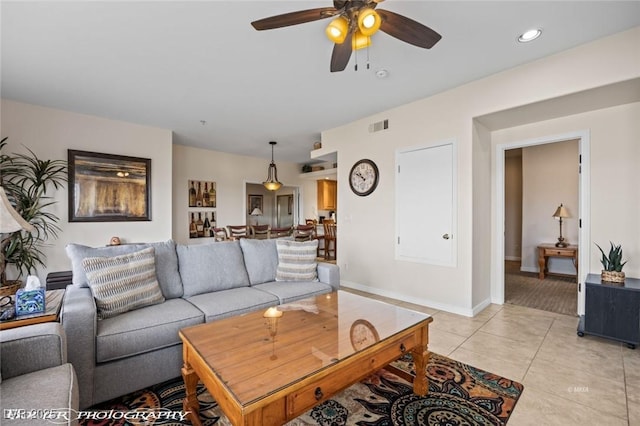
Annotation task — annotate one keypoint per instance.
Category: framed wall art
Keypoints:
(202, 194)
(254, 202)
(108, 187)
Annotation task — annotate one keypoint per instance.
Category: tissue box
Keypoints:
(30, 301)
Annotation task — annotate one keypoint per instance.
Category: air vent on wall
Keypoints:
(378, 126)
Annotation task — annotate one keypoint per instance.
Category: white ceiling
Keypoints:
(173, 64)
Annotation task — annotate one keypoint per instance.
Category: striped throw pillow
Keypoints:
(297, 260)
(123, 283)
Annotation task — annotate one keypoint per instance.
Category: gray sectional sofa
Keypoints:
(200, 283)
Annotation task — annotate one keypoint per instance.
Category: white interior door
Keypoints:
(425, 205)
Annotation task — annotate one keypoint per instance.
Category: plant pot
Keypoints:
(612, 276)
(9, 288)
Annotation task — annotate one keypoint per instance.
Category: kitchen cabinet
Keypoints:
(327, 194)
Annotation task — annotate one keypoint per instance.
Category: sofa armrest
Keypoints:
(32, 348)
(329, 273)
(79, 319)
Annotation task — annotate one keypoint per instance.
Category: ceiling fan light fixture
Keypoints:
(337, 30)
(369, 21)
(272, 183)
(360, 41)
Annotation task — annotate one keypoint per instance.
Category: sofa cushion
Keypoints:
(123, 283)
(144, 330)
(167, 268)
(211, 267)
(289, 291)
(166, 263)
(260, 259)
(226, 303)
(51, 388)
(297, 260)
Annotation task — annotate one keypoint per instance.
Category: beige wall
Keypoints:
(369, 263)
(549, 177)
(51, 132)
(231, 174)
(513, 206)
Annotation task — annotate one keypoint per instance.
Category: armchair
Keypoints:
(36, 376)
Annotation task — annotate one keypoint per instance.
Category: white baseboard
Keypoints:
(418, 300)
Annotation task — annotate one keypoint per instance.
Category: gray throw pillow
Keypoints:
(297, 260)
(123, 283)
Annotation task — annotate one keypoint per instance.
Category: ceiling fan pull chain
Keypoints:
(367, 57)
(356, 54)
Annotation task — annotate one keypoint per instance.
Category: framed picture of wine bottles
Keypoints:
(201, 223)
(202, 194)
(202, 220)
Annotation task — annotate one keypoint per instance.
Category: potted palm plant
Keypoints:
(25, 179)
(612, 264)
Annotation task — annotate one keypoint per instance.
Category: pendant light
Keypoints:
(272, 183)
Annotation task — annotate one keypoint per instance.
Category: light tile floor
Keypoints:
(568, 380)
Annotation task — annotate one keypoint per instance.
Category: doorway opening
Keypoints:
(537, 180)
(276, 208)
(547, 231)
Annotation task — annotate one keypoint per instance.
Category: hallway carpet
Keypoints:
(554, 293)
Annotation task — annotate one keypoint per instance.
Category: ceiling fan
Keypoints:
(354, 23)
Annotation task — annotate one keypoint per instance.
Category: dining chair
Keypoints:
(238, 231)
(304, 233)
(330, 239)
(285, 231)
(220, 234)
(260, 232)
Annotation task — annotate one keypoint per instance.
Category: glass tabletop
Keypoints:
(258, 353)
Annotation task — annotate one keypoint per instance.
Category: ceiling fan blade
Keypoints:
(341, 54)
(294, 18)
(408, 30)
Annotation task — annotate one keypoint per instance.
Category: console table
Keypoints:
(545, 251)
(612, 310)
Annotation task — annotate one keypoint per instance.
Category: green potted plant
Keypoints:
(25, 179)
(612, 264)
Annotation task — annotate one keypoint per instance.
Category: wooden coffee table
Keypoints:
(266, 369)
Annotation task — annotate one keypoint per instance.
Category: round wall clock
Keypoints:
(363, 334)
(363, 177)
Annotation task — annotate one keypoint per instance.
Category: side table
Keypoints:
(53, 303)
(545, 251)
(612, 310)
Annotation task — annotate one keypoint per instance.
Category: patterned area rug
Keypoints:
(458, 395)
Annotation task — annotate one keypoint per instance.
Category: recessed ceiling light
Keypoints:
(529, 35)
(382, 73)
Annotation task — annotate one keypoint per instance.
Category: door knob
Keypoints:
(445, 236)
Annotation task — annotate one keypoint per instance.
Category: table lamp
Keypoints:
(256, 212)
(560, 213)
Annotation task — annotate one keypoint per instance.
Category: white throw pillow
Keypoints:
(297, 260)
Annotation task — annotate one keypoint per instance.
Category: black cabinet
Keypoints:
(612, 310)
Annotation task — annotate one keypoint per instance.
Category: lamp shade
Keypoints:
(337, 30)
(360, 41)
(272, 183)
(561, 212)
(256, 212)
(10, 219)
(368, 22)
